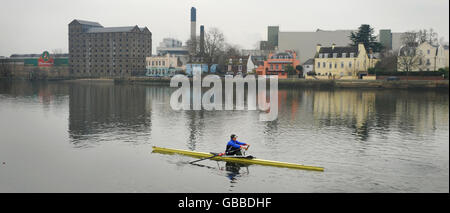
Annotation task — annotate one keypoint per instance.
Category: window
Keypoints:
(335, 65)
(320, 55)
(276, 66)
(344, 55)
(342, 64)
(428, 52)
(334, 55)
(318, 64)
(350, 64)
(331, 65)
(324, 65)
(326, 55)
(352, 55)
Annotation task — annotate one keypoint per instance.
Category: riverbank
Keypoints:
(303, 83)
(288, 83)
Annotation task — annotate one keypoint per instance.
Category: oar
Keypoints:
(205, 158)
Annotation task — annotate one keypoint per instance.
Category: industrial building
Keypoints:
(96, 51)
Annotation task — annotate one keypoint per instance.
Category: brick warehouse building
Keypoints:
(97, 51)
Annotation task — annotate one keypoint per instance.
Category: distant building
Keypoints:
(339, 62)
(266, 46)
(163, 66)
(97, 51)
(391, 41)
(308, 66)
(303, 43)
(202, 67)
(276, 64)
(272, 39)
(446, 55)
(252, 64)
(45, 59)
(272, 35)
(430, 57)
(174, 48)
(237, 65)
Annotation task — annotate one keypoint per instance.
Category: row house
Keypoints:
(343, 61)
(277, 63)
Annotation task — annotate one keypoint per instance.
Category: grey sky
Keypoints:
(34, 26)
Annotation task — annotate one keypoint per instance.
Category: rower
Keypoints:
(234, 147)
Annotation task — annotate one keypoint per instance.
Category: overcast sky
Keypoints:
(34, 26)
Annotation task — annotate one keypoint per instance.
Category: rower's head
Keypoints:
(233, 137)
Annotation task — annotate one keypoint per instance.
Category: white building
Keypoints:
(308, 66)
(251, 65)
(430, 57)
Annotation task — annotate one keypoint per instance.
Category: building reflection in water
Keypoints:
(104, 112)
(107, 112)
(361, 110)
(348, 107)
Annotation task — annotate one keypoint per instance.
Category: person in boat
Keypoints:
(234, 147)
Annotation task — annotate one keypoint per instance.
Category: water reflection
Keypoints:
(196, 126)
(363, 111)
(107, 112)
(375, 140)
(233, 170)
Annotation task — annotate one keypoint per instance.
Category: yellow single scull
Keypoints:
(236, 160)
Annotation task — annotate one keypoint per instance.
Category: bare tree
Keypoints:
(214, 45)
(410, 38)
(421, 36)
(409, 59)
(388, 61)
(232, 50)
(429, 36)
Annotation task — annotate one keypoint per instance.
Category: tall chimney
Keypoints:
(202, 39)
(318, 46)
(193, 29)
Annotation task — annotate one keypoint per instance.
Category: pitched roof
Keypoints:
(309, 61)
(339, 51)
(90, 23)
(111, 29)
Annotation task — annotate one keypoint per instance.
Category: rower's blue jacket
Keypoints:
(235, 144)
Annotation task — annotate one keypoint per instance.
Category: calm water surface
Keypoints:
(97, 137)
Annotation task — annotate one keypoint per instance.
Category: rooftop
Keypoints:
(90, 23)
(309, 61)
(112, 29)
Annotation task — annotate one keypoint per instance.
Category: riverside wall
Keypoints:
(302, 83)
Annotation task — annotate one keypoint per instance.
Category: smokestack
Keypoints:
(193, 28)
(202, 39)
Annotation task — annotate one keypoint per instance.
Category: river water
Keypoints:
(98, 137)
